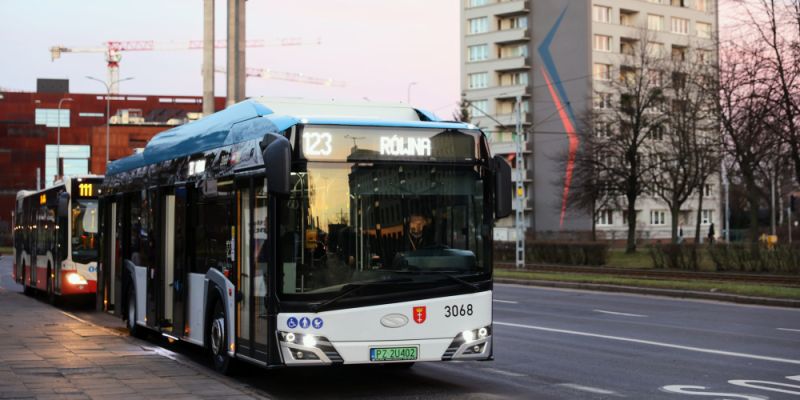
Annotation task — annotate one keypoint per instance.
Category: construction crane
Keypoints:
(299, 77)
(113, 50)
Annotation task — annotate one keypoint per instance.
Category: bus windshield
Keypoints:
(357, 223)
(85, 241)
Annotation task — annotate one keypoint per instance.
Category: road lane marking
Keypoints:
(506, 373)
(788, 330)
(621, 313)
(589, 389)
(505, 301)
(653, 343)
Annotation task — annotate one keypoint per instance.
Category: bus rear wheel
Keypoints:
(218, 339)
(25, 279)
(51, 290)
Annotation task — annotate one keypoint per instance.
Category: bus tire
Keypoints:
(218, 339)
(25, 277)
(133, 329)
(51, 290)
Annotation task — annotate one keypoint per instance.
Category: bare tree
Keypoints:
(684, 153)
(745, 114)
(591, 191)
(627, 105)
(777, 25)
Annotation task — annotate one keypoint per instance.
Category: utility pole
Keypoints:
(208, 57)
(772, 200)
(236, 52)
(59, 173)
(520, 190)
(108, 109)
(725, 186)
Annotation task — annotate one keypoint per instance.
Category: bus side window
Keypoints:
(140, 229)
(214, 222)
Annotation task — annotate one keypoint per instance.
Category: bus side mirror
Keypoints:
(502, 187)
(278, 162)
(63, 205)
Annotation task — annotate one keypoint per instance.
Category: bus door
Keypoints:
(168, 263)
(253, 210)
(176, 285)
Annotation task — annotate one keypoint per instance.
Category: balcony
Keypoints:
(504, 8)
(509, 36)
(511, 64)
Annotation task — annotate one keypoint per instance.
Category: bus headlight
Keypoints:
(75, 278)
(299, 348)
(468, 336)
(470, 344)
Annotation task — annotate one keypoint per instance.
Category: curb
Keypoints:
(687, 294)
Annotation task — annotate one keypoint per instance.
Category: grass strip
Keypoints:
(6, 250)
(738, 288)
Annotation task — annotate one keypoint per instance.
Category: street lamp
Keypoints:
(108, 87)
(58, 143)
(408, 92)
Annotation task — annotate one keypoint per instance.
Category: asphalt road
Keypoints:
(569, 344)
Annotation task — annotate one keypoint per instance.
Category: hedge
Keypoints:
(743, 257)
(555, 252)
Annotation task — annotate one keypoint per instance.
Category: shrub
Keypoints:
(554, 252)
(745, 257)
(675, 256)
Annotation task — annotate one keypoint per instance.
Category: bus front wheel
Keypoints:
(133, 329)
(218, 337)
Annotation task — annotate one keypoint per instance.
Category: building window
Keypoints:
(627, 18)
(75, 160)
(478, 3)
(706, 217)
(479, 80)
(514, 79)
(601, 14)
(602, 72)
(707, 189)
(478, 108)
(658, 217)
(602, 129)
(50, 117)
(655, 22)
(520, 50)
(605, 217)
(680, 26)
(602, 43)
(704, 30)
(703, 56)
(478, 52)
(478, 25)
(701, 5)
(655, 50)
(602, 100)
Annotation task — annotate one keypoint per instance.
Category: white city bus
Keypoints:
(56, 238)
(285, 233)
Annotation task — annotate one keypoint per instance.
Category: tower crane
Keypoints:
(299, 77)
(113, 50)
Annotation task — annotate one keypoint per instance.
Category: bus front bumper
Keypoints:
(299, 349)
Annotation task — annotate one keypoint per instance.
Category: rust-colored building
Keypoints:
(29, 127)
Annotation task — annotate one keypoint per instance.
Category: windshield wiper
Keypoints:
(447, 275)
(355, 287)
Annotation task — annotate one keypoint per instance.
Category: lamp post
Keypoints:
(408, 92)
(58, 135)
(108, 87)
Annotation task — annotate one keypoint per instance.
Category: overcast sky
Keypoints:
(376, 46)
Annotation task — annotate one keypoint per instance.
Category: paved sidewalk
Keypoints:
(47, 354)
